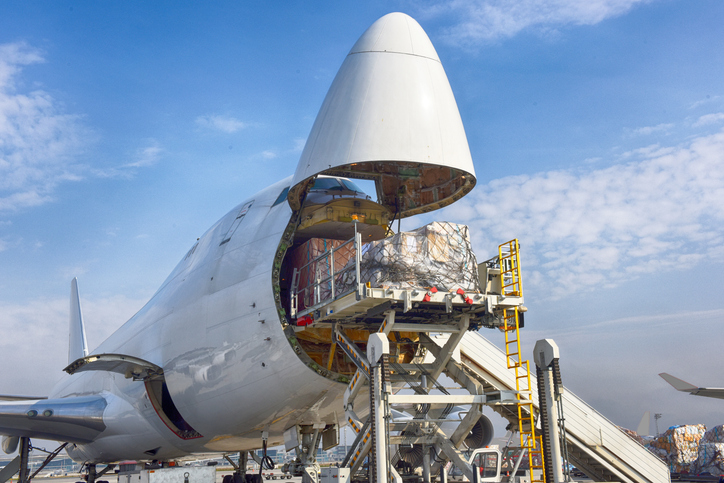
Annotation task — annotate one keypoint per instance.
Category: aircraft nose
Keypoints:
(398, 33)
(390, 115)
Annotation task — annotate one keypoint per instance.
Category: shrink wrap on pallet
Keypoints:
(711, 453)
(710, 460)
(714, 435)
(633, 435)
(679, 446)
(436, 255)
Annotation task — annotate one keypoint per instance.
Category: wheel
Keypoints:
(228, 479)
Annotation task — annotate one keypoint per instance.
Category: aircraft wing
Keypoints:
(8, 397)
(679, 385)
(72, 419)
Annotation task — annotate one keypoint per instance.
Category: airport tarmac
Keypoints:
(220, 475)
(112, 478)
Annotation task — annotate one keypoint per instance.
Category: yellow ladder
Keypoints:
(512, 285)
(509, 260)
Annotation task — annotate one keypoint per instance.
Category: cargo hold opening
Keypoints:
(333, 209)
(325, 263)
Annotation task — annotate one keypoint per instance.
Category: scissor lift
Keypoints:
(414, 388)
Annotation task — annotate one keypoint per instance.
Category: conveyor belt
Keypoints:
(596, 446)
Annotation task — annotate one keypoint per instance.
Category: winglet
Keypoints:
(78, 347)
(678, 384)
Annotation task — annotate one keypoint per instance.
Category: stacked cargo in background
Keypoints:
(436, 255)
(679, 446)
(711, 453)
(633, 435)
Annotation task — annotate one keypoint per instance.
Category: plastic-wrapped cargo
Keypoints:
(710, 460)
(633, 435)
(714, 435)
(436, 255)
(679, 446)
(711, 453)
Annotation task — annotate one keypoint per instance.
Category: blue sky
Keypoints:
(597, 131)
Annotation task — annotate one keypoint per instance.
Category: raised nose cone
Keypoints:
(396, 33)
(391, 116)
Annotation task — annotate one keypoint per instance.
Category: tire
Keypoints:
(228, 479)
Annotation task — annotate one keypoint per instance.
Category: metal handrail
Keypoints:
(325, 277)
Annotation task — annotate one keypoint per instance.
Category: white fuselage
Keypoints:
(215, 330)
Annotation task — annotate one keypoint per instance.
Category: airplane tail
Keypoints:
(76, 419)
(644, 427)
(78, 346)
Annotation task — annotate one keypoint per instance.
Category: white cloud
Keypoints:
(225, 124)
(647, 130)
(662, 211)
(481, 21)
(703, 102)
(37, 141)
(147, 155)
(35, 337)
(12, 57)
(709, 119)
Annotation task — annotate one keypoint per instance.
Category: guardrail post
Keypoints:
(358, 261)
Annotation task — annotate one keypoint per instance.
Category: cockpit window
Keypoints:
(351, 186)
(282, 196)
(327, 184)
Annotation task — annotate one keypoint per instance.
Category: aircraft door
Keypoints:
(162, 402)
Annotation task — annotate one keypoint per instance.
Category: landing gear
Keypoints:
(93, 474)
(305, 464)
(24, 455)
(20, 463)
(240, 475)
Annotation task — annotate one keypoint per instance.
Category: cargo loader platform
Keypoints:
(369, 316)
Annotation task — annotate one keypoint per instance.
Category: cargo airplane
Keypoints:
(227, 355)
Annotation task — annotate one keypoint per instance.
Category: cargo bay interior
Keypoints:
(320, 262)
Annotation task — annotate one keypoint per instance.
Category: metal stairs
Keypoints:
(595, 445)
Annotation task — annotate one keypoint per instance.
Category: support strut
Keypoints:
(24, 475)
(51, 456)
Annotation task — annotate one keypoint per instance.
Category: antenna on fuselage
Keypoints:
(78, 346)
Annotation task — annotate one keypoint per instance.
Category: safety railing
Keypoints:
(331, 275)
